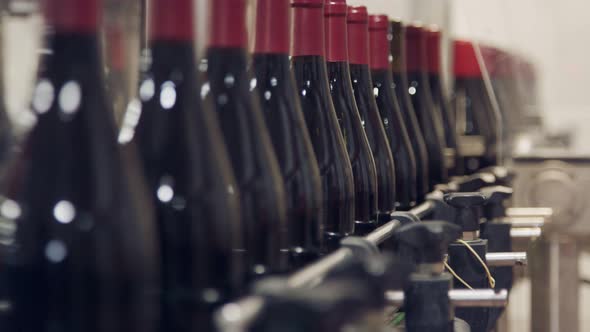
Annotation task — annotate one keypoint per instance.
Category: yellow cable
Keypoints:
(457, 276)
(491, 279)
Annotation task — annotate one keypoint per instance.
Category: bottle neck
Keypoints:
(74, 47)
(312, 69)
(267, 65)
(225, 60)
(272, 27)
(228, 24)
(435, 81)
(339, 77)
(308, 35)
(336, 38)
(383, 76)
(171, 20)
(172, 54)
(361, 74)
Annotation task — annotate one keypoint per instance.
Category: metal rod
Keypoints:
(525, 233)
(461, 298)
(529, 212)
(506, 258)
(423, 210)
(488, 298)
(382, 233)
(524, 222)
(314, 273)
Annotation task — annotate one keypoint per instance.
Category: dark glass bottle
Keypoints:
(383, 90)
(362, 85)
(428, 116)
(312, 83)
(188, 174)
(251, 153)
(80, 256)
(441, 102)
(472, 107)
(284, 118)
(400, 80)
(357, 144)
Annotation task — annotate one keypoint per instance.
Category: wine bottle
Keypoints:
(80, 255)
(419, 91)
(284, 118)
(400, 80)
(472, 107)
(308, 59)
(253, 160)
(357, 144)
(188, 173)
(441, 102)
(362, 85)
(383, 90)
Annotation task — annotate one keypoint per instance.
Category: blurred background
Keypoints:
(550, 35)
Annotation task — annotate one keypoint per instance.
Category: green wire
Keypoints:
(398, 318)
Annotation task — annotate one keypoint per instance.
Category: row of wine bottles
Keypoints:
(224, 171)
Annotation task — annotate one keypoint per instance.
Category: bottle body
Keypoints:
(192, 187)
(326, 137)
(292, 144)
(80, 259)
(415, 134)
(399, 141)
(452, 153)
(431, 126)
(254, 163)
(363, 92)
(471, 107)
(357, 145)
(400, 79)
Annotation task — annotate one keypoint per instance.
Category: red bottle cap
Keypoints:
(171, 20)
(228, 24)
(272, 27)
(73, 15)
(335, 28)
(433, 49)
(358, 35)
(465, 62)
(415, 38)
(378, 42)
(308, 27)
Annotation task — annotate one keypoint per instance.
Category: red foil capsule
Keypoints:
(308, 37)
(378, 42)
(272, 13)
(171, 20)
(415, 38)
(335, 25)
(73, 15)
(465, 62)
(231, 32)
(358, 45)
